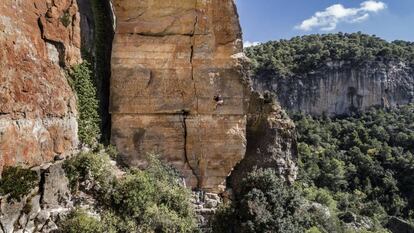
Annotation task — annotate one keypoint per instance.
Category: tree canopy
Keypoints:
(361, 165)
(303, 54)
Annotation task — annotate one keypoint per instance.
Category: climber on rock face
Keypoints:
(219, 100)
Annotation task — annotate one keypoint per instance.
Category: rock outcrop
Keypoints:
(396, 225)
(178, 87)
(341, 88)
(40, 210)
(271, 141)
(38, 39)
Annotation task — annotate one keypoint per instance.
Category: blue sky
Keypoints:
(264, 20)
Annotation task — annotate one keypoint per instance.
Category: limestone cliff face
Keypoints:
(37, 107)
(178, 88)
(341, 88)
(271, 141)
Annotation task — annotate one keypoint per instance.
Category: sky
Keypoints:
(264, 20)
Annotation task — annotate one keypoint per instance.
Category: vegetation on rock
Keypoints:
(79, 221)
(103, 36)
(66, 19)
(16, 182)
(153, 200)
(304, 54)
(264, 204)
(360, 167)
(82, 82)
(355, 174)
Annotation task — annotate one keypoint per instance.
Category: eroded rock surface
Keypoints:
(37, 107)
(178, 87)
(271, 141)
(41, 210)
(341, 88)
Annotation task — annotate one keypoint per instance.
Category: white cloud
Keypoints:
(247, 44)
(328, 19)
(373, 6)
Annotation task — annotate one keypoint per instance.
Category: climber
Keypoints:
(219, 100)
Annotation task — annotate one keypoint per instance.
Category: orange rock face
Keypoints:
(177, 86)
(38, 39)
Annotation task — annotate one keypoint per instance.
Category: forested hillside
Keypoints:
(360, 167)
(303, 54)
(356, 175)
(335, 74)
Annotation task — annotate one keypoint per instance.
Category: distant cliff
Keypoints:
(340, 88)
(335, 74)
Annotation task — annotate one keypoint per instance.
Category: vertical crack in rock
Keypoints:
(192, 38)
(182, 44)
(187, 160)
(42, 184)
(2, 227)
(185, 114)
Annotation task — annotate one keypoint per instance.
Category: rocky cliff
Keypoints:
(38, 40)
(178, 87)
(341, 88)
(40, 210)
(271, 141)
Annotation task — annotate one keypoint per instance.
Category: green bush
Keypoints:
(321, 196)
(313, 230)
(78, 221)
(151, 200)
(90, 166)
(65, 19)
(223, 219)
(155, 199)
(265, 204)
(17, 182)
(82, 82)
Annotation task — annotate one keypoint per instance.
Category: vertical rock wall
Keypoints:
(271, 141)
(38, 39)
(177, 86)
(338, 88)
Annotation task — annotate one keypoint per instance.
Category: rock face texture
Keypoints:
(271, 141)
(177, 87)
(43, 207)
(37, 107)
(341, 88)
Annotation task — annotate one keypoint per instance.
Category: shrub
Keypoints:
(155, 199)
(17, 182)
(321, 196)
(115, 223)
(65, 19)
(79, 221)
(103, 36)
(92, 167)
(82, 82)
(220, 222)
(151, 200)
(264, 204)
(313, 230)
